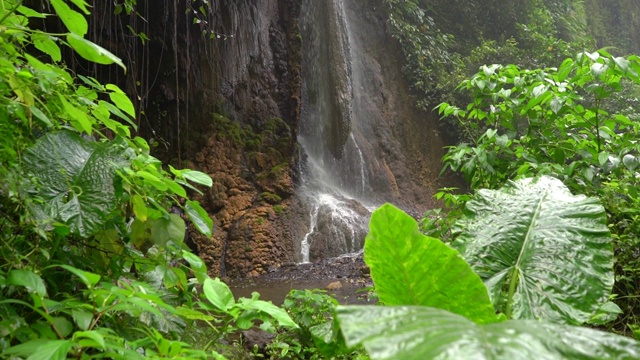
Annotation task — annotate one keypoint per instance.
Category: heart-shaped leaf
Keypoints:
(218, 293)
(76, 178)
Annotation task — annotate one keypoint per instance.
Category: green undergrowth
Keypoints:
(576, 122)
(93, 262)
(92, 256)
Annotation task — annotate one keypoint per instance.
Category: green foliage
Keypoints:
(75, 179)
(427, 332)
(428, 58)
(399, 257)
(92, 260)
(318, 336)
(527, 122)
(439, 222)
(414, 332)
(445, 41)
(117, 319)
(309, 309)
(576, 123)
(99, 319)
(519, 238)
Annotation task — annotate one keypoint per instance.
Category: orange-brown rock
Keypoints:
(248, 238)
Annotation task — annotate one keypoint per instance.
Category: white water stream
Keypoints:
(335, 177)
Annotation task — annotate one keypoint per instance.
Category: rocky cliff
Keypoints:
(245, 110)
(218, 86)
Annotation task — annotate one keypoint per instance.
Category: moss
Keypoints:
(270, 197)
(277, 125)
(239, 134)
(278, 209)
(252, 145)
(274, 154)
(279, 168)
(227, 128)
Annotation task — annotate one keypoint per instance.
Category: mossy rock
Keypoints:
(270, 198)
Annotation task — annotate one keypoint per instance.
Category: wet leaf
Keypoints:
(76, 178)
(419, 332)
(93, 52)
(27, 279)
(197, 177)
(200, 217)
(88, 278)
(218, 293)
(73, 20)
(409, 268)
(551, 250)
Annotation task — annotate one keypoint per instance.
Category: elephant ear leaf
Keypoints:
(542, 252)
(75, 178)
(420, 332)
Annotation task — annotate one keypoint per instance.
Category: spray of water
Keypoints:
(335, 177)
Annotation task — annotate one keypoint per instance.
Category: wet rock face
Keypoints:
(247, 234)
(338, 230)
(249, 111)
(252, 79)
(360, 132)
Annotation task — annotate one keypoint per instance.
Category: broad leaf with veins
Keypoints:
(75, 178)
(542, 252)
(409, 268)
(420, 332)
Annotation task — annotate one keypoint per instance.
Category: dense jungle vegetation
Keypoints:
(539, 259)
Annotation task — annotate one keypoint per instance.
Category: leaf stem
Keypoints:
(11, 11)
(597, 128)
(512, 289)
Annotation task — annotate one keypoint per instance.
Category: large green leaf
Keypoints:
(30, 280)
(200, 217)
(542, 252)
(167, 228)
(420, 333)
(267, 307)
(73, 20)
(75, 178)
(41, 349)
(93, 52)
(52, 350)
(218, 293)
(409, 268)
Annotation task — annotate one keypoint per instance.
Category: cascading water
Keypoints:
(362, 140)
(336, 177)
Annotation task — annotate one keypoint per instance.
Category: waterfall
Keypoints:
(362, 164)
(362, 140)
(335, 177)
